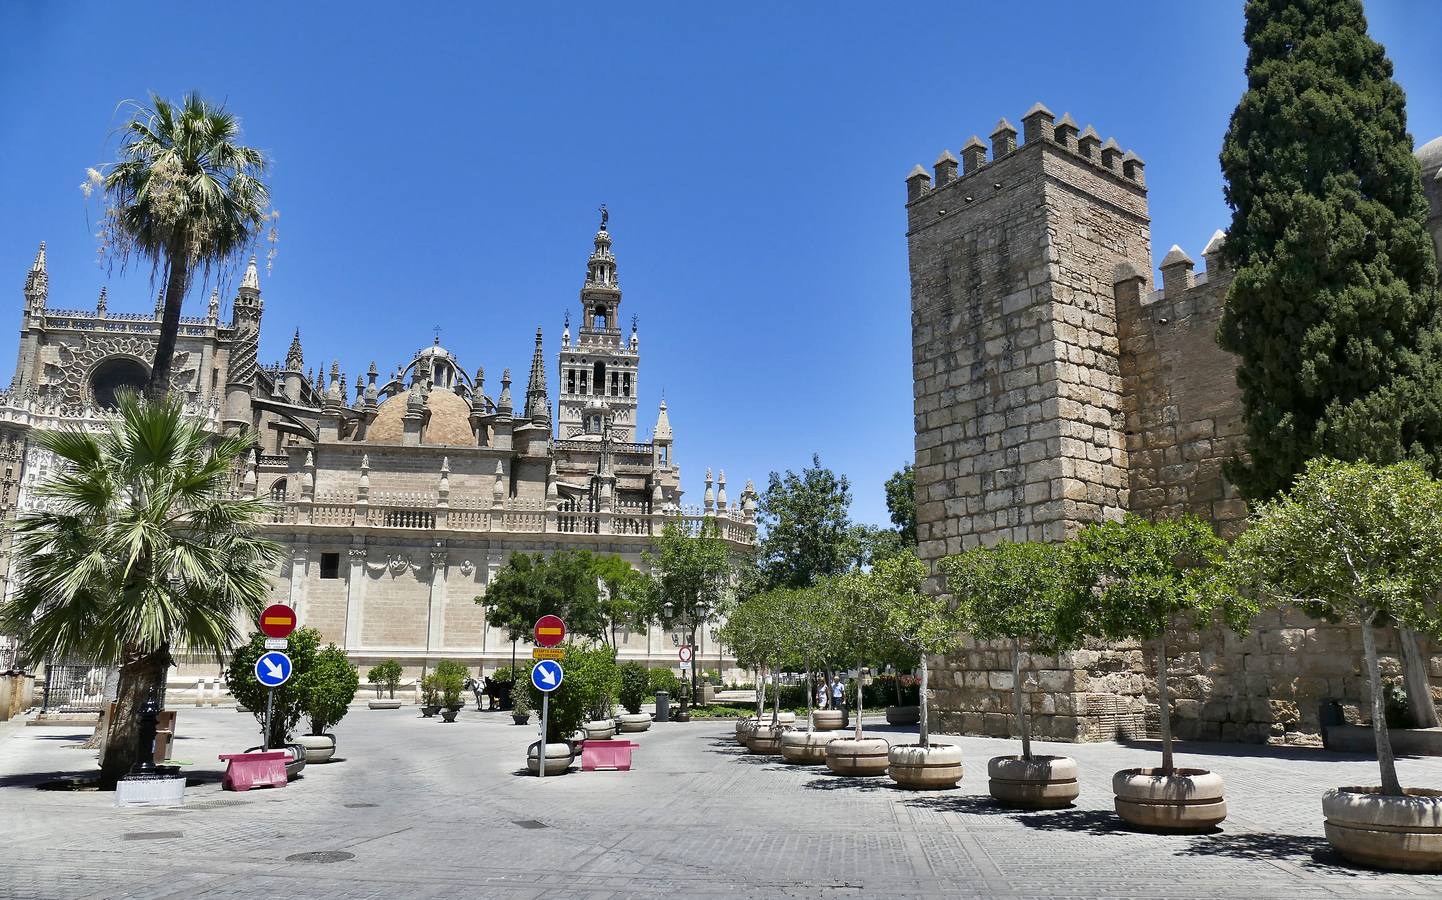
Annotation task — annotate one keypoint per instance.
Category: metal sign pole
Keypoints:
(541, 748)
(269, 700)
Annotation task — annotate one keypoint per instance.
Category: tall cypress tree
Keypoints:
(1334, 311)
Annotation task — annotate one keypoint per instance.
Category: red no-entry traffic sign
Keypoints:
(549, 631)
(277, 621)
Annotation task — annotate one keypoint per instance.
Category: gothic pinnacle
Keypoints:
(251, 279)
(294, 358)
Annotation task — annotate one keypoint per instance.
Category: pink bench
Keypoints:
(606, 755)
(247, 770)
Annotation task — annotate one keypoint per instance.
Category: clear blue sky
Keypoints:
(443, 167)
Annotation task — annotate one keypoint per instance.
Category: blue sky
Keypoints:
(444, 167)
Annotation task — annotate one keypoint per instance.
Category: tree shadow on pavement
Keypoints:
(852, 783)
(960, 803)
(1311, 852)
(1087, 821)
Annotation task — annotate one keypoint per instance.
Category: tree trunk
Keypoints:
(810, 696)
(776, 706)
(1385, 761)
(921, 701)
(140, 676)
(96, 741)
(760, 691)
(1164, 700)
(178, 272)
(1419, 686)
(860, 689)
(1016, 704)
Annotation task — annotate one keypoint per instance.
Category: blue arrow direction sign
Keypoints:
(546, 675)
(272, 669)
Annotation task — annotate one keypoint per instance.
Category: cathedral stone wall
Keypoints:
(1054, 388)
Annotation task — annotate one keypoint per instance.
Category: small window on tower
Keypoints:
(615, 383)
(330, 565)
(599, 320)
(626, 384)
(600, 382)
(583, 381)
(570, 381)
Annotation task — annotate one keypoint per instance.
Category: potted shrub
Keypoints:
(286, 709)
(326, 690)
(451, 684)
(1012, 592)
(1135, 579)
(861, 627)
(520, 702)
(591, 675)
(1359, 543)
(756, 630)
(923, 625)
(385, 677)
(430, 695)
(632, 694)
(811, 640)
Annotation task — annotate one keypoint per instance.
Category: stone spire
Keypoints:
(601, 267)
(663, 424)
(294, 358)
(101, 304)
(503, 403)
(251, 280)
(213, 311)
(160, 304)
(37, 281)
(721, 490)
(709, 498)
(538, 404)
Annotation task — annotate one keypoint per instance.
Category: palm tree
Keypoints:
(140, 546)
(184, 195)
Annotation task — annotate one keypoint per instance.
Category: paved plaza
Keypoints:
(433, 810)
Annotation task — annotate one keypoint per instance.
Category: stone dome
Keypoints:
(1429, 155)
(449, 424)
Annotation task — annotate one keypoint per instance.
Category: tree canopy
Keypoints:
(569, 584)
(806, 527)
(901, 503)
(1334, 310)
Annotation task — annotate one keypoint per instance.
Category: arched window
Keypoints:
(600, 383)
(114, 375)
(599, 318)
(277, 491)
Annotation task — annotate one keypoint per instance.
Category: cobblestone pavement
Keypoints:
(434, 810)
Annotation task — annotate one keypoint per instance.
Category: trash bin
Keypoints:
(663, 706)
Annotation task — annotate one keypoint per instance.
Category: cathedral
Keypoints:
(398, 498)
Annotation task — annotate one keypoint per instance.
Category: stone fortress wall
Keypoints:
(1054, 388)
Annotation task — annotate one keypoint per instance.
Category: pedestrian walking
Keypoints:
(838, 701)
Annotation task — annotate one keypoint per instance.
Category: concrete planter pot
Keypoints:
(903, 715)
(826, 719)
(599, 730)
(807, 748)
(765, 740)
(430, 711)
(1187, 800)
(1042, 782)
(449, 713)
(1400, 834)
(558, 758)
(633, 723)
(744, 726)
(864, 758)
(319, 748)
(384, 704)
(520, 718)
(918, 768)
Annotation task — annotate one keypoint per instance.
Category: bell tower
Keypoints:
(599, 370)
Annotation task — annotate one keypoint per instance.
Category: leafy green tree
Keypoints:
(533, 585)
(1012, 591)
(901, 503)
(1334, 310)
(758, 629)
(1135, 578)
(628, 596)
(806, 527)
(861, 625)
(183, 195)
(865, 544)
(287, 702)
(141, 547)
(632, 692)
(912, 618)
(387, 675)
(1352, 542)
(693, 579)
(327, 688)
(450, 681)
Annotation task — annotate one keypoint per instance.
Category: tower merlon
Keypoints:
(1038, 124)
(1003, 139)
(945, 168)
(1176, 272)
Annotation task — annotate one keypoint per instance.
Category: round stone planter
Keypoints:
(319, 748)
(1401, 834)
(1042, 782)
(1187, 800)
(866, 757)
(918, 768)
(765, 740)
(826, 719)
(807, 748)
(903, 715)
(520, 718)
(384, 704)
(744, 727)
(558, 758)
(429, 711)
(633, 723)
(599, 730)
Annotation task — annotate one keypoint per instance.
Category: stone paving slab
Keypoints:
(430, 810)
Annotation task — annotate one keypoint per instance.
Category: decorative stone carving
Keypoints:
(357, 553)
(71, 379)
(398, 564)
(467, 567)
